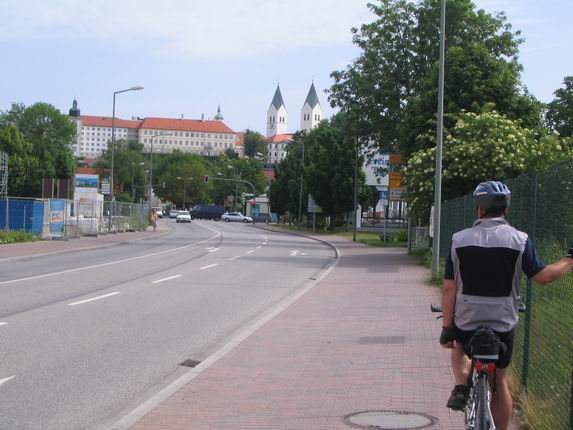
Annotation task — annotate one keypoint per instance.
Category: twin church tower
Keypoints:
(277, 116)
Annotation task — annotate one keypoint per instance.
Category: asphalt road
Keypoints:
(86, 337)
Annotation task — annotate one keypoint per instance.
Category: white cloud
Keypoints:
(193, 28)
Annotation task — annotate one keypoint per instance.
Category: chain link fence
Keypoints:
(61, 218)
(542, 206)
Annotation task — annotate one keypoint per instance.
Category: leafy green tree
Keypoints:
(255, 143)
(330, 169)
(390, 88)
(559, 115)
(20, 163)
(486, 146)
(50, 134)
(128, 171)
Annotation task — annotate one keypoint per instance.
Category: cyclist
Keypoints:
(481, 287)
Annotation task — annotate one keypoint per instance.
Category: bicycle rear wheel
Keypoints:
(483, 417)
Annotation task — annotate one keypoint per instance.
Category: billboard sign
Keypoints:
(86, 186)
(376, 170)
(56, 217)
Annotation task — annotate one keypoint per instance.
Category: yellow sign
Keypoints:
(395, 181)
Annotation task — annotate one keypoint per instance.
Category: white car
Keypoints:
(183, 216)
(173, 213)
(236, 216)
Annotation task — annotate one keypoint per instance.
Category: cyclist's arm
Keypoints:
(535, 269)
(553, 272)
(448, 293)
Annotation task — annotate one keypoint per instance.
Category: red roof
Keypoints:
(240, 139)
(105, 121)
(186, 125)
(86, 170)
(279, 138)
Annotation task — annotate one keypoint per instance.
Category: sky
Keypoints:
(193, 55)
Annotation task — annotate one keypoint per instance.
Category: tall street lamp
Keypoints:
(184, 179)
(151, 164)
(299, 220)
(111, 196)
(237, 176)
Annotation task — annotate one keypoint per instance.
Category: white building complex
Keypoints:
(205, 137)
(277, 122)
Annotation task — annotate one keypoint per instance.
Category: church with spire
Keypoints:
(278, 136)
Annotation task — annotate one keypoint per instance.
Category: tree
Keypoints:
(486, 146)
(390, 88)
(330, 169)
(50, 134)
(20, 162)
(559, 115)
(255, 143)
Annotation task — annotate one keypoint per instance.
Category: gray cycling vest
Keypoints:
(487, 271)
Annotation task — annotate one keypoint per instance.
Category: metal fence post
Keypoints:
(529, 298)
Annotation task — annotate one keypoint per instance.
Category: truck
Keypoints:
(213, 212)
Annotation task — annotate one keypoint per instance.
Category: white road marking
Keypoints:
(6, 379)
(94, 298)
(95, 266)
(166, 279)
(249, 251)
(296, 252)
(3, 323)
(234, 258)
(214, 250)
(211, 247)
(260, 246)
(143, 409)
(209, 266)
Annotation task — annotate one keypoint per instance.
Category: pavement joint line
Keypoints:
(94, 298)
(209, 266)
(166, 279)
(147, 406)
(2, 381)
(109, 263)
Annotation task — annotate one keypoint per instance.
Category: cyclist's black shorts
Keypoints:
(507, 338)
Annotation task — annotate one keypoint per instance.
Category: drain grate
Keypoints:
(389, 420)
(190, 363)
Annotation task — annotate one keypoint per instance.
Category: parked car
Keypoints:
(207, 212)
(236, 216)
(183, 216)
(262, 217)
(173, 213)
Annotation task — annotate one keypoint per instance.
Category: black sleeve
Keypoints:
(530, 263)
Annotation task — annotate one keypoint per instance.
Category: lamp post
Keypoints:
(237, 176)
(151, 165)
(299, 221)
(111, 196)
(184, 179)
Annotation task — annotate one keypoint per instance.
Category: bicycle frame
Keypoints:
(478, 411)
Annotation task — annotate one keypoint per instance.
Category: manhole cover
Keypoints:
(389, 420)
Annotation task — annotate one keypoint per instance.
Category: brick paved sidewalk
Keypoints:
(361, 339)
(16, 251)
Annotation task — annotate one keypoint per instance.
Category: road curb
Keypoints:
(86, 248)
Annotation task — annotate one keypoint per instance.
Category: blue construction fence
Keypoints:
(23, 214)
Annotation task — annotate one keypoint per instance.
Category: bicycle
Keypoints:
(483, 349)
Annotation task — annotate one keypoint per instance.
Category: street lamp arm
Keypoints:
(237, 180)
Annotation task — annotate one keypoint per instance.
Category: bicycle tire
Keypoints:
(483, 420)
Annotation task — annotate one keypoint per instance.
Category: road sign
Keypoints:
(312, 206)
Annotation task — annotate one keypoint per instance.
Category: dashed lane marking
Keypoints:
(234, 258)
(250, 251)
(166, 279)
(6, 379)
(209, 266)
(94, 298)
